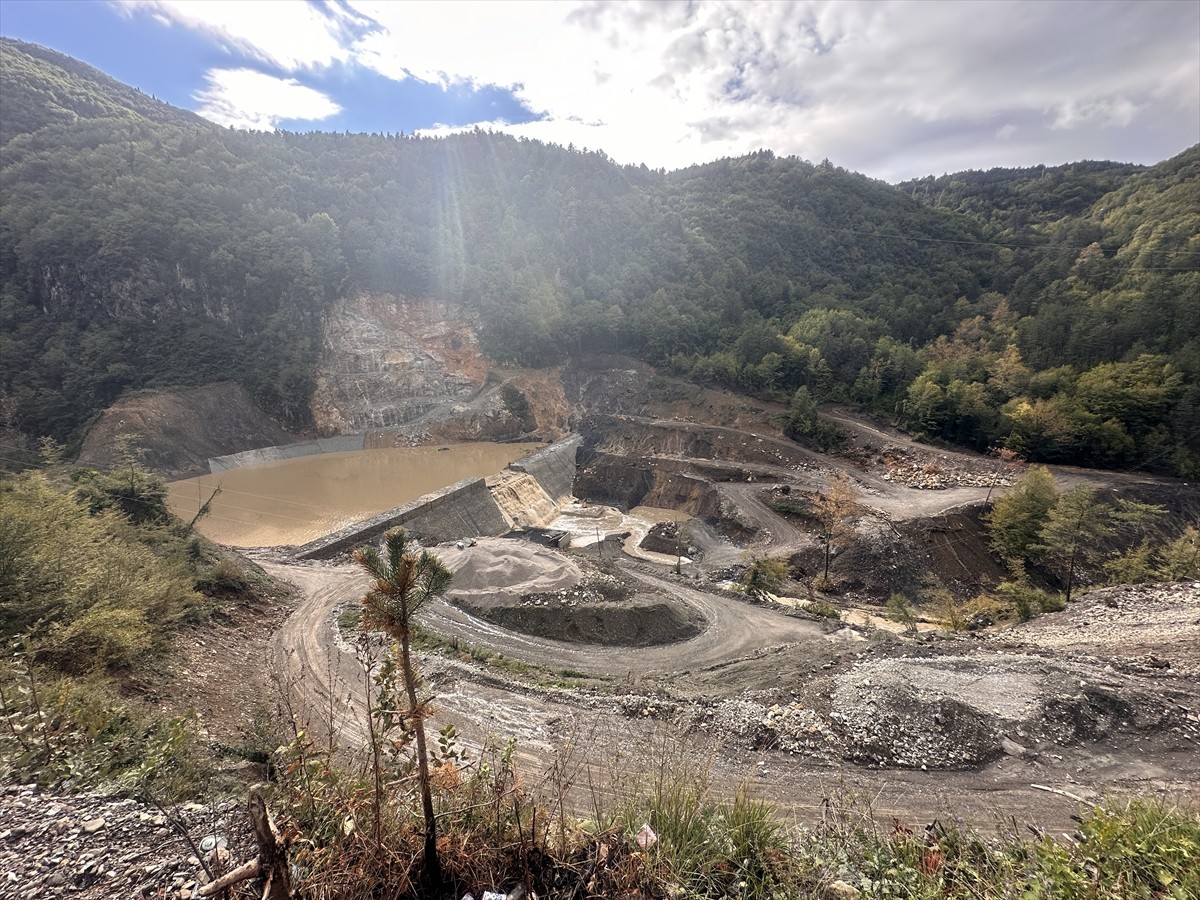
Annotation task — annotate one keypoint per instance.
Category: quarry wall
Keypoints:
(463, 510)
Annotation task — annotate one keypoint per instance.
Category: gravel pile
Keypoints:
(750, 725)
(932, 478)
(961, 711)
(500, 566)
(941, 712)
(92, 846)
(1138, 627)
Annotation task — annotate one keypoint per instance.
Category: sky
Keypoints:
(894, 89)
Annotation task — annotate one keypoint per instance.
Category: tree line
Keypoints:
(1049, 310)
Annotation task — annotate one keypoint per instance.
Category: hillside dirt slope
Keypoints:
(180, 430)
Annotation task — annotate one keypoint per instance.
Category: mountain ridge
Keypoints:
(144, 249)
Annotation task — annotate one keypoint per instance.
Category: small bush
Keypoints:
(707, 846)
(1026, 600)
(349, 619)
(78, 734)
(224, 577)
(900, 610)
(1139, 849)
(824, 610)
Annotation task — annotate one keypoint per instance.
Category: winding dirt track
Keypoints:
(329, 679)
(571, 735)
(582, 747)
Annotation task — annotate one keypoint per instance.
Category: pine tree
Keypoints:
(402, 582)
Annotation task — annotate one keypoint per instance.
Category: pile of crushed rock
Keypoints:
(961, 703)
(1136, 628)
(492, 566)
(936, 478)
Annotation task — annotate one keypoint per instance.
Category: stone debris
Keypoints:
(960, 704)
(759, 725)
(93, 846)
(963, 710)
(935, 478)
(1139, 628)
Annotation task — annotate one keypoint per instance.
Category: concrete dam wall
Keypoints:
(286, 451)
(553, 467)
(463, 510)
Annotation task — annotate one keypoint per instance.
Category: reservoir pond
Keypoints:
(293, 501)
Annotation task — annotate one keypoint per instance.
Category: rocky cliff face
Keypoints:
(406, 371)
(391, 362)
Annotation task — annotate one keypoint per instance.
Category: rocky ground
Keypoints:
(95, 847)
(1026, 715)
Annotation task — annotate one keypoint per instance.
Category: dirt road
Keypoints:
(595, 741)
(775, 701)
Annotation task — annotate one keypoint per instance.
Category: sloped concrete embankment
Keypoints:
(338, 444)
(464, 509)
(553, 467)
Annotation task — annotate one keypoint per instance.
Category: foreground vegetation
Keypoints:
(670, 835)
(96, 578)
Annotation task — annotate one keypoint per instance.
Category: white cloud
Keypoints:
(891, 88)
(289, 34)
(244, 98)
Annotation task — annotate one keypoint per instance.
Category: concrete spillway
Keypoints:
(470, 508)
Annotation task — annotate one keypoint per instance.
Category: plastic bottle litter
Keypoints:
(646, 838)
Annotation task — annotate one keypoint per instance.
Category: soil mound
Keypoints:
(961, 711)
(500, 566)
(535, 590)
(179, 431)
(1139, 628)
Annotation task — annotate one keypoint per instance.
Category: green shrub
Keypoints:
(224, 576)
(77, 733)
(707, 846)
(900, 610)
(82, 591)
(824, 610)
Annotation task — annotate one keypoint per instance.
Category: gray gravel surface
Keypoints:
(89, 846)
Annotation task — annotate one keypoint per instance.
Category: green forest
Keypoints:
(1052, 311)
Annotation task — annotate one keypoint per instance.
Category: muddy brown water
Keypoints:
(293, 501)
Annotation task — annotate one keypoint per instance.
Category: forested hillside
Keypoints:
(1053, 310)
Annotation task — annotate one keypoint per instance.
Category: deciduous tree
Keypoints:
(1018, 516)
(833, 508)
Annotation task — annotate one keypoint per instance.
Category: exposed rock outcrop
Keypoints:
(389, 361)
